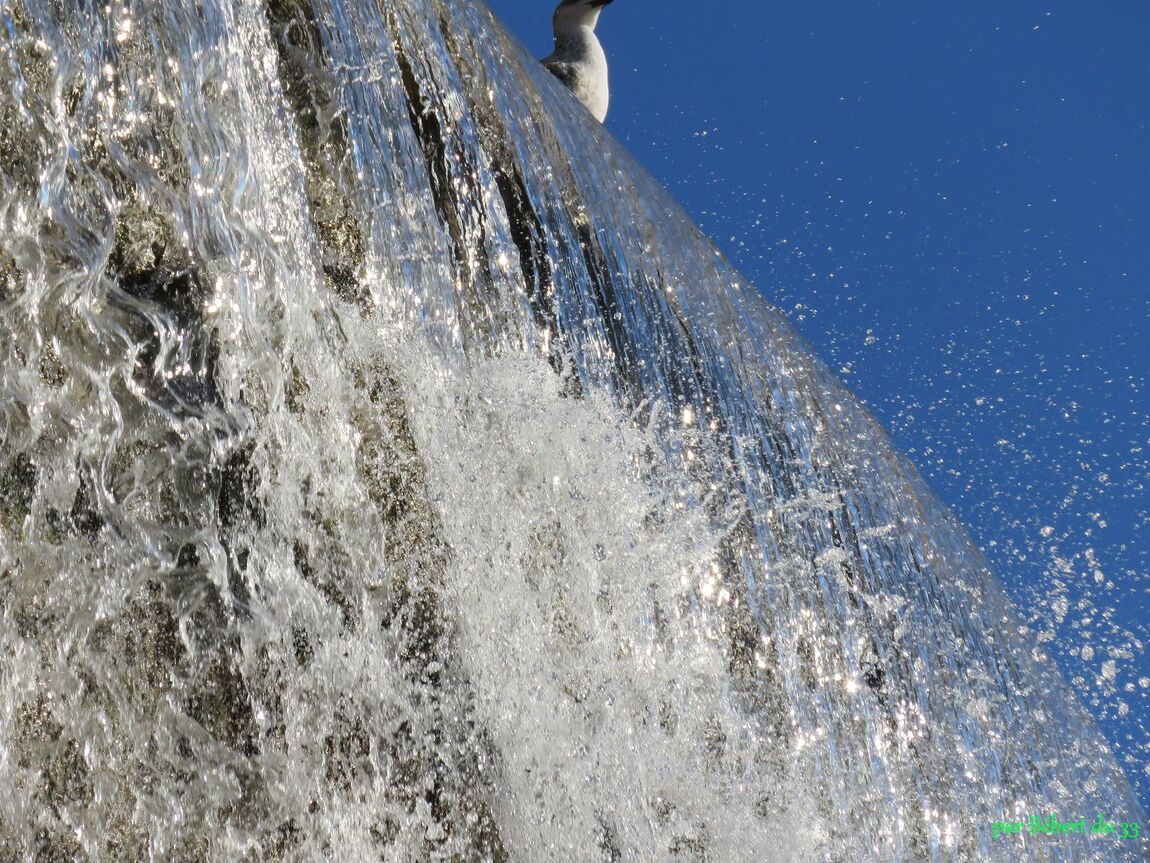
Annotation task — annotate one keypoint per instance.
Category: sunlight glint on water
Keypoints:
(379, 480)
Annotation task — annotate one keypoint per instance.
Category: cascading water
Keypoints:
(389, 470)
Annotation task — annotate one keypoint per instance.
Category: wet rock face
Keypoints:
(136, 559)
(17, 489)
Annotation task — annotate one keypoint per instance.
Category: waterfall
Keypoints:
(390, 470)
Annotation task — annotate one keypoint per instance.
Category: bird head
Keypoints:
(579, 13)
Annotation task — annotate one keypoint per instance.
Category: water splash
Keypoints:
(379, 480)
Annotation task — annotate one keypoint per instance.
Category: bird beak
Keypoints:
(600, 3)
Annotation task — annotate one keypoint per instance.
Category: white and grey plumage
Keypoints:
(578, 59)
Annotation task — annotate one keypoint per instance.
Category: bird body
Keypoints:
(578, 59)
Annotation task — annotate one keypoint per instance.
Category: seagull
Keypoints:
(578, 59)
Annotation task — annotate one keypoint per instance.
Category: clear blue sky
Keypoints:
(952, 203)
